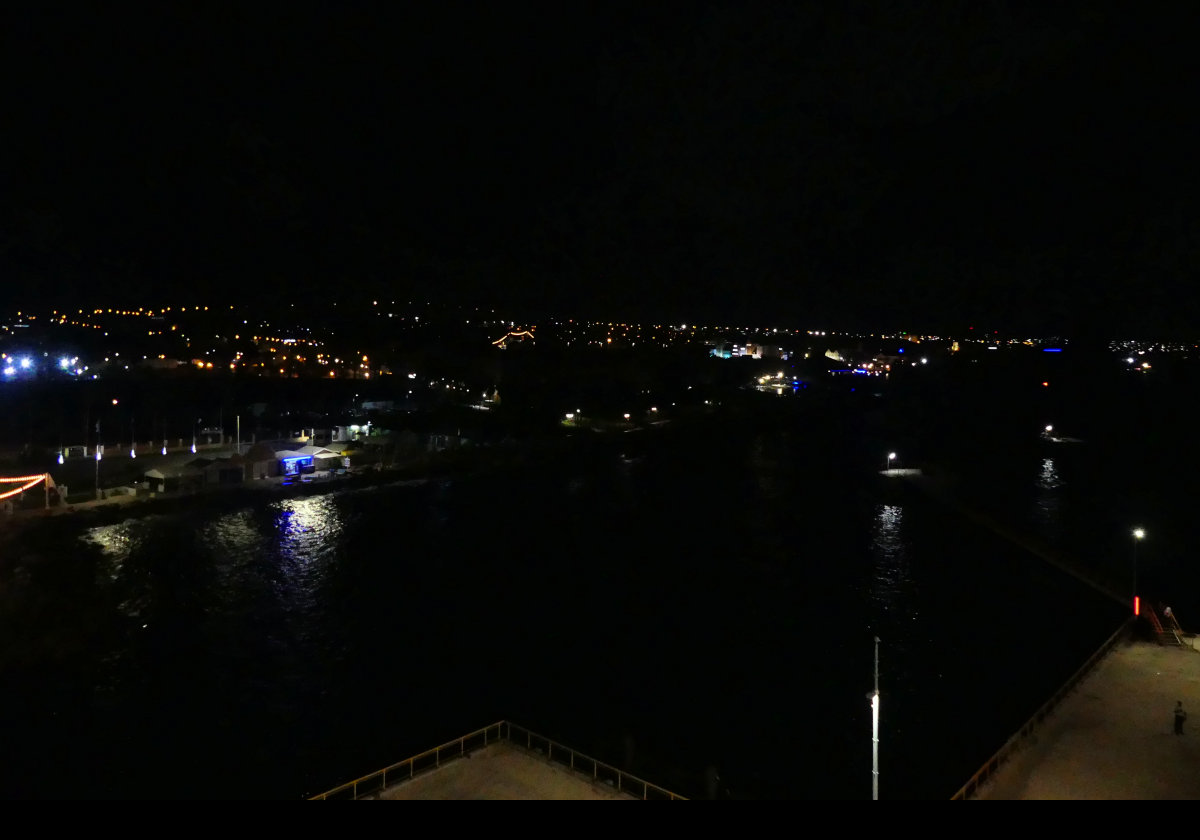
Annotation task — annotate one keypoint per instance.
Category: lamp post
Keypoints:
(875, 728)
(1138, 536)
(887, 464)
(99, 449)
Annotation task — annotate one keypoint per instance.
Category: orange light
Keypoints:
(1045, 384)
(24, 478)
(1137, 605)
(22, 488)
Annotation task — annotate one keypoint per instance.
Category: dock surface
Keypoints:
(1113, 736)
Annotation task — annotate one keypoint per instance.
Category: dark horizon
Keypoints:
(925, 168)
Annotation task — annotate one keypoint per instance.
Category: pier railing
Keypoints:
(1026, 733)
(519, 736)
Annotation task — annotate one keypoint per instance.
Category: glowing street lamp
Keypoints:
(1138, 536)
(887, 465)
(875, 728)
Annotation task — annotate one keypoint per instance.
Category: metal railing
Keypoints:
(511, 733)
(1026, 732)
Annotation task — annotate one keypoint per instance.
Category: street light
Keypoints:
(874, 698)
(887, 465)
(99, 450)
(1138, 536)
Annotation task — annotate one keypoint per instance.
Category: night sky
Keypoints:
(922, 166)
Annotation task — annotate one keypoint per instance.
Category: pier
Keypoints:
(1109, 733)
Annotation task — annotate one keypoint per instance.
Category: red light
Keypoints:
(1045, 384)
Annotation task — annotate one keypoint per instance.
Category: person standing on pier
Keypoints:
(1180, 717)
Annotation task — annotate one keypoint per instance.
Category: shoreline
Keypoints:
(449, 464)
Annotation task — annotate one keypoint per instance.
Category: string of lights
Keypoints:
(30, 483)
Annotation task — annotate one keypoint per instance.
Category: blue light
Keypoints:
(1051, 349)
(901, 350)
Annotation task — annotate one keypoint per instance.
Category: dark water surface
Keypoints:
(708, 597)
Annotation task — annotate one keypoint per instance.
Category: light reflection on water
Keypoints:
(892, 591)
(116, 544)
(1047, 499)
(308, 528)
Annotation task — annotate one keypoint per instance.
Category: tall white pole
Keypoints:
(875, 729)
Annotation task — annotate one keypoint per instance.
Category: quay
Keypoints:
(1108, 734)
(502, 761)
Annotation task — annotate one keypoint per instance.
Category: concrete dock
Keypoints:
(1112, 736)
